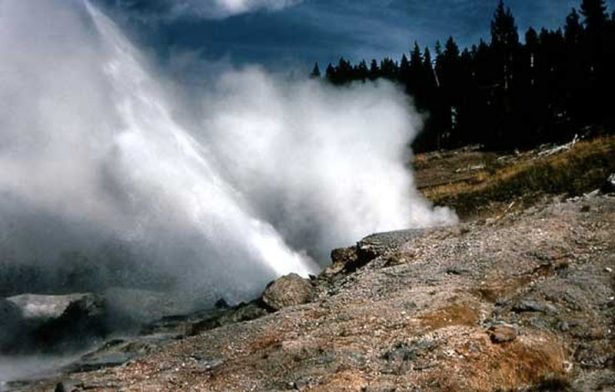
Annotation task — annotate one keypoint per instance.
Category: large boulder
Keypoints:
(51, 323)
(289, 290)
(341, 259)
(369, 248)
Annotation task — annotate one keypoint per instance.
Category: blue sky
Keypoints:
(299, 32)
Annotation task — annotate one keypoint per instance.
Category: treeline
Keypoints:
(506, 94)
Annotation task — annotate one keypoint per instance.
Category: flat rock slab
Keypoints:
(44, 307)
(382, 243)
(52, 323)
(369, 248)
(102, 361)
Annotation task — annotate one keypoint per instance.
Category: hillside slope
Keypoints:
(519, 299)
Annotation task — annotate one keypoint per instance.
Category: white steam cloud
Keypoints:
(324, 165)
(271, 176)
(217, 9)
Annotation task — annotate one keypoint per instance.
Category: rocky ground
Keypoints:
(515, 298)
(520, 301)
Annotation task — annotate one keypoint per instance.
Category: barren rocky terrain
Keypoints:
(516, 300)
(519, 301)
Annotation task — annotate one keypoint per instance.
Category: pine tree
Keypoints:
(599, 58)
(506, 94)
(361, 72)
(344, 71)
(451, 50)
(576, 66)
(503, 28)
(404, 70)
(427, 62)
(531, 52)
(504, 45)
(415, 69)
(331, 74)
(374, 70)
(447, 63)
(438, 49)
(429, 76)
(573, 30)
(389, 69)
(315, 74)
(595, 14)
(430, 100)
(531, 38)
(416, 58)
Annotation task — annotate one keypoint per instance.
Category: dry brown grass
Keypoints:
(502, 286)
(451, 315)
(265, 341)
(576, 171)
(344, 380)
(480, 365)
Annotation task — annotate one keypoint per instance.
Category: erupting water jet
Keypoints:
(270, 176)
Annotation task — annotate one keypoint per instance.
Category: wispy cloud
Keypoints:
(277, 33)
(219, 9)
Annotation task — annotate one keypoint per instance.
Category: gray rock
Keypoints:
(289, 290)
(101, 361)
(457, 271)
(341, 259)
(56, 322)
(208, 364)
(302, 383)
(42, 308)
(369, 248)
(117, 352)
(502, 334)
(528, 306)
(244, 312)
(408, 352)
(343, 256)
(380, 244)
(219, 318)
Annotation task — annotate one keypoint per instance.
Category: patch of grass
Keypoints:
(581, 169)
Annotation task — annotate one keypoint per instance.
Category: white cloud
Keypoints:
(218, 9)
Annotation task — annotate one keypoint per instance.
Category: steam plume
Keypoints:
(270, 176)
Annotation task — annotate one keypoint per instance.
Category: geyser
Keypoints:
(103, 184)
